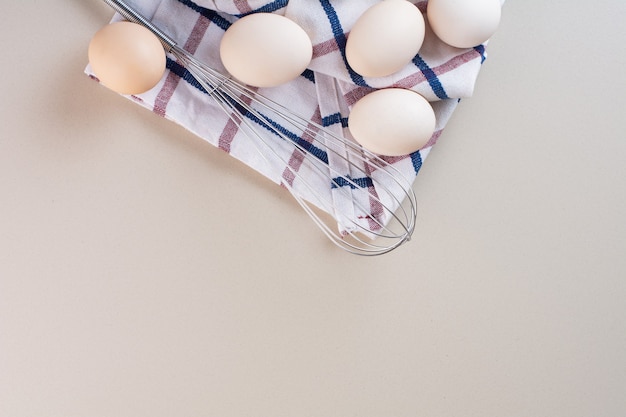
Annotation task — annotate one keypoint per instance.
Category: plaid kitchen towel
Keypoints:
(326, 90)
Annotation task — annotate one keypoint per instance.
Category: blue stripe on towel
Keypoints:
(212, 15)
(481, 50)
(431, 77)
(182, 72)
(333, 119)
(416, 159)
(353, 183)
(268, 8)
(340, 39)
(309, 75)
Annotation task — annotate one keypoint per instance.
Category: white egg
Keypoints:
(385, 38)
(265, 50)
(392, 121)
(464, 23)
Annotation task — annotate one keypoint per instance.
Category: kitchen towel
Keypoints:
(326, 90)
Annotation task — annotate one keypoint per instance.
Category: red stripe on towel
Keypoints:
(243, 6)
(172, 80)
(297, 156)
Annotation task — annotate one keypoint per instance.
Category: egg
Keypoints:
(392, 121)
(464, 23)
(385, 38)
(265, 50)
(127, 58)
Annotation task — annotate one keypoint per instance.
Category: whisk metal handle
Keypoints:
(134, 16)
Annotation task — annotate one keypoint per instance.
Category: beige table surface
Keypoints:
(145, 273)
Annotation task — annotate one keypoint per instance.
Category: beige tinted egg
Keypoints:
(385, 38)
(392, 121)
(265, 50)
(464, 23)
(127, 58)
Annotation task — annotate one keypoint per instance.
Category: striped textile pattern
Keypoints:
(325, 92)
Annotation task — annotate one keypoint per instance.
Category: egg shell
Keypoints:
(392, 121)
(127, 57)
(265, 50)
(464, 23)
(385, 38)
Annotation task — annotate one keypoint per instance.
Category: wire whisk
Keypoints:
(371, 205)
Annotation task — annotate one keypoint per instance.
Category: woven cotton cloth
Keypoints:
(324, 93)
